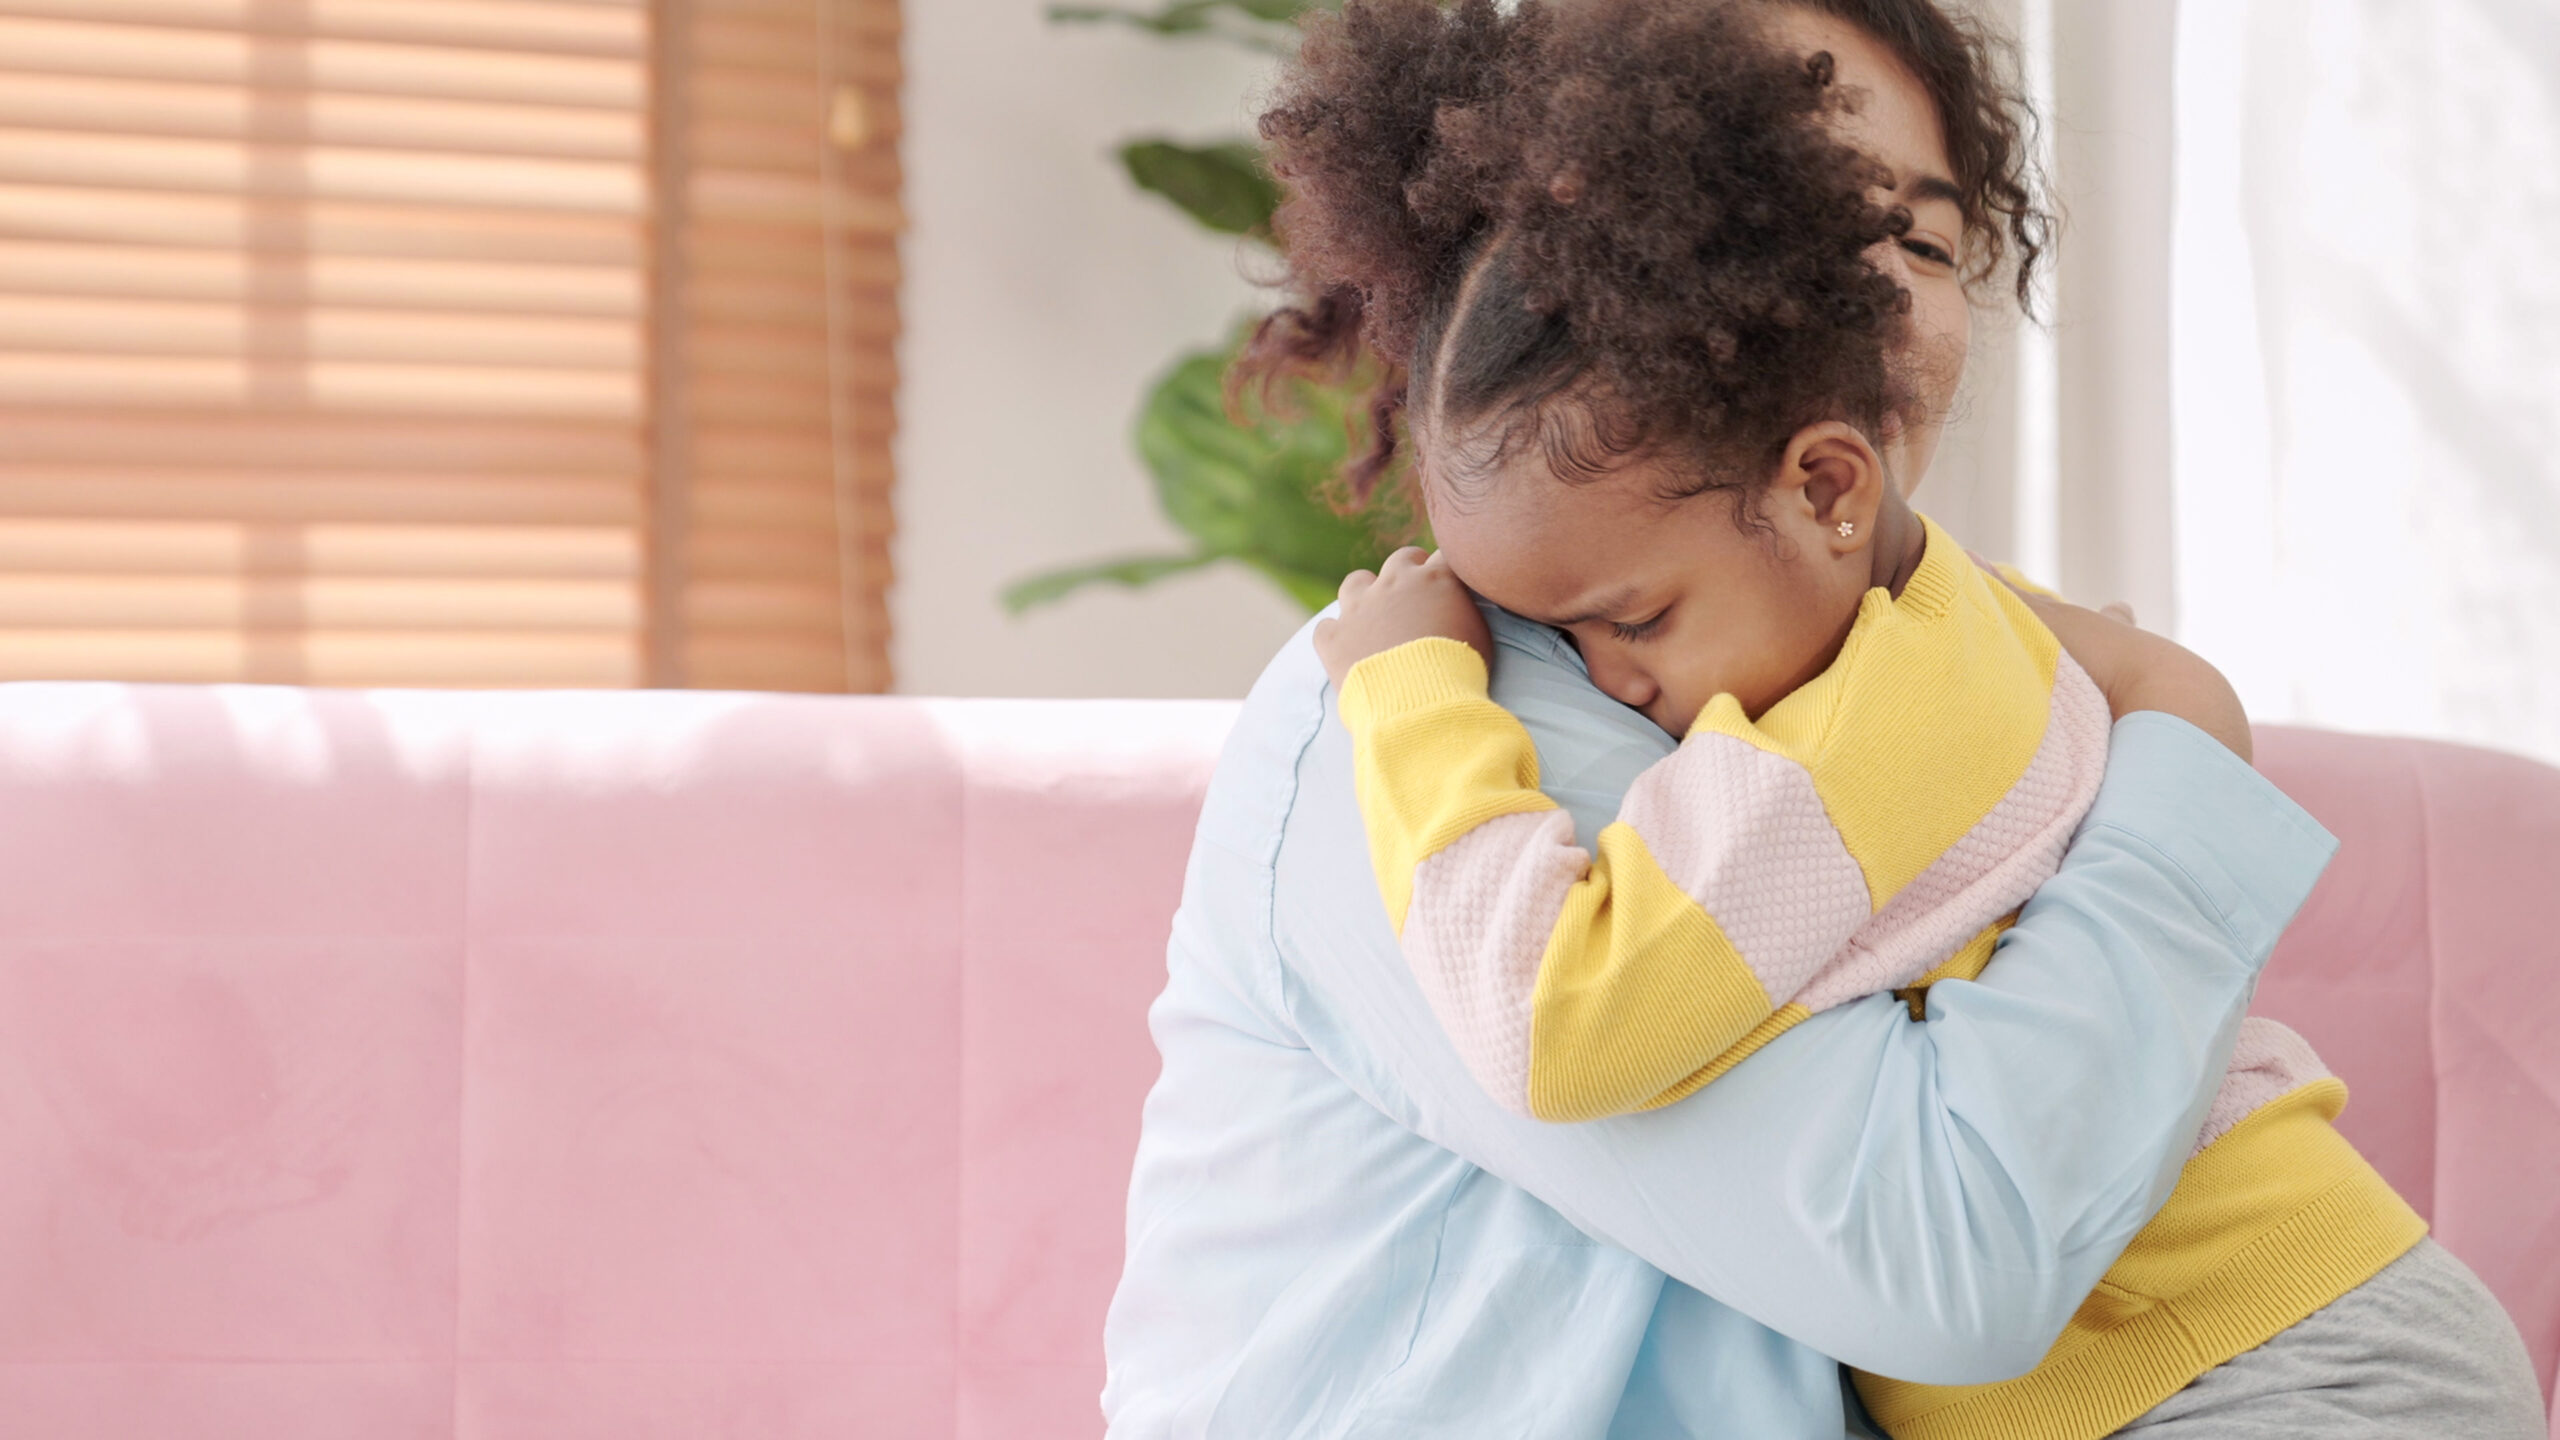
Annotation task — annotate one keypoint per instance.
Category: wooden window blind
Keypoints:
(447, 342)
(787, 281)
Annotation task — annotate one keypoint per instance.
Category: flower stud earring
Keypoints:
(1848, 528)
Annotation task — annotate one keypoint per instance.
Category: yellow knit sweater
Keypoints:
(1874, 831)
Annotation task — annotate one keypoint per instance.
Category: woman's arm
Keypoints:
(1929, 1200)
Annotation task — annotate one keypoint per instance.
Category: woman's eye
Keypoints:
(1637, 631)
(1934, 254)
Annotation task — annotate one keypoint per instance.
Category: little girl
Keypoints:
(1665, 334)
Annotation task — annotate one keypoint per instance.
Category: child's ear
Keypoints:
(1833, 482)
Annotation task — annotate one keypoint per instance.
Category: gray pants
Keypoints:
(2422, 1351)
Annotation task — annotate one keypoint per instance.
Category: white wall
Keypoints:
(2113, 65)
(1042, 295)
(2368, 363)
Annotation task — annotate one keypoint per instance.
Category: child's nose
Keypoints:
(1620, 680)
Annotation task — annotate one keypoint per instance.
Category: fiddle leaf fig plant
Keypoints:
(1264, 25)
(1221, 186)
(1250, 483)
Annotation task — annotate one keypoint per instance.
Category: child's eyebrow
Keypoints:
(1935, 187)
(1615, 601)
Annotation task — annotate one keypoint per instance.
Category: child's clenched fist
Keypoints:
(1412, 597)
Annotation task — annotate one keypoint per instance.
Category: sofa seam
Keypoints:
(961, 895)
(466, 932)
(2435, 988)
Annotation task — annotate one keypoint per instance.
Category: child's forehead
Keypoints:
(1557, 551)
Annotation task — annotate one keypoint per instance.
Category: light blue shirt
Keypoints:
(1334, 1233)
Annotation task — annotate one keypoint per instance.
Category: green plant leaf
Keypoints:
(1134, 571)
(1254, 488)
(1257, 24)
(1221, 185)
(1258, 487)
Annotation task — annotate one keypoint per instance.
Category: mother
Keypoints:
(1333, 1232)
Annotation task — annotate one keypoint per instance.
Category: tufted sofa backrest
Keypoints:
(472, 1067)
(2426, 971)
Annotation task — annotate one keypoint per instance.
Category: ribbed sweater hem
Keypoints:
(2349, 1225)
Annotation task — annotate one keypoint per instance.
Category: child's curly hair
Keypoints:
(1636, 207)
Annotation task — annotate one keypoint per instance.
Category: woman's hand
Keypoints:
(2141, 671)
(1412, 597)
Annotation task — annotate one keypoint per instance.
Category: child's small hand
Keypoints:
(1412, 597)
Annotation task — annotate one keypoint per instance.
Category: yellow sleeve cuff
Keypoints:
(1417, 675)
(1432, 757)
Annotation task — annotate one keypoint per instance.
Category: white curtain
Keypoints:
(2365, 362)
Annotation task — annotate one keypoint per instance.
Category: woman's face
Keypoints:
(1895, 122)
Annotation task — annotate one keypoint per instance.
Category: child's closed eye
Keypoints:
(1930, 251)
(1640, 630)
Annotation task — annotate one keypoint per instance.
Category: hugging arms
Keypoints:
(1334, 1231)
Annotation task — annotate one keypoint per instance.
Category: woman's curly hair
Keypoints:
(1635, 208)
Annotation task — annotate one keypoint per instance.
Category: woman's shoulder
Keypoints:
(1590, 747)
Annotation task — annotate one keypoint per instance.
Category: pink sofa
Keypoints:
(627, 1066)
